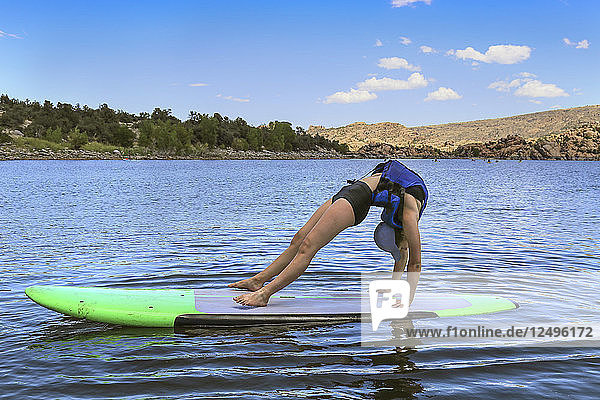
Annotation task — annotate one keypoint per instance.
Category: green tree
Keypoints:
(281, 136)
(146, 129)
(224, 136)
(255, 139)
(240, 144)
(208, 129)
(203, 128)
(41, 122)
(13, 117)
(183, 134)
(122, 136)
(92, 125)
(274, 142)
(164, 136)
(162, 115)
(106, 114)
(77, 139)
(53, 135)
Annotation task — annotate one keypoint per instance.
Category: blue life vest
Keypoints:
(389, 194)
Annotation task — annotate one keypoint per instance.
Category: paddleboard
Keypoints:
(215, 307)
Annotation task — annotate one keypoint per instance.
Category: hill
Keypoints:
(448, 137)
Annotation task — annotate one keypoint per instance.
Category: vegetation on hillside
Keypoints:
(81, 126)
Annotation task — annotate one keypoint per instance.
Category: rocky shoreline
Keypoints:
(13, 152)
(580, 143)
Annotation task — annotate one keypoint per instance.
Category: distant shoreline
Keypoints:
(34, 131)
(10, 152)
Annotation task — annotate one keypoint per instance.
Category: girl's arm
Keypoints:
(400, 265)
(410, 220)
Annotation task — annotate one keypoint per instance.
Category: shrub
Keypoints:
(99, 147)
(53, 135)
(77, 139)
(38, 144)
(240, 144)
(5, 138)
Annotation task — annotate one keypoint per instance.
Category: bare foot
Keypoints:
(250, 284)
(256, 299)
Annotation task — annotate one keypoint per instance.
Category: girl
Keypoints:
(403, 195)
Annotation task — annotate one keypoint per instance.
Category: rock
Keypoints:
(384, 150)
(547, 149)
(580, 143)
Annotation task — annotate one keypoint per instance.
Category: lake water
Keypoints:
(524, 230)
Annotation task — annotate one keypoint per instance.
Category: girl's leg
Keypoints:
(258, 280)
(335, 219)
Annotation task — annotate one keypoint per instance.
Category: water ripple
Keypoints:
(491, 229)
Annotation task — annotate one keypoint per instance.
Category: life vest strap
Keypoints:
(400, 211)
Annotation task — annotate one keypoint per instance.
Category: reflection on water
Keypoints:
(526, 230)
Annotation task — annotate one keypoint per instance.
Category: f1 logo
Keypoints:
(388, 299)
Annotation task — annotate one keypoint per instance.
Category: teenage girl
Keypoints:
(403, 195)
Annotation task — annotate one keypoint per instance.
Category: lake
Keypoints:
(523, 230)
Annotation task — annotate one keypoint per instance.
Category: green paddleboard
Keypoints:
(215, 307)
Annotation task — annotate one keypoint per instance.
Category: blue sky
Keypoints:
(308, 62)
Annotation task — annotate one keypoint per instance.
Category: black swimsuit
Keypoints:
(359, 195)
(417, 192)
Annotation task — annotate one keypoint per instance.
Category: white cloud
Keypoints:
(402, 3)
(378, 43)
(238, 99)
(427, 50)
(443, 94)
(535, 88)
(397, 63)
(198, 84)
(526, 86)
(10, 35)
(505, 86)
(583, 44)
(535, 101)
(353, 96)
(367, 87)
(416, 80)
(405, 41)
(501, 54)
